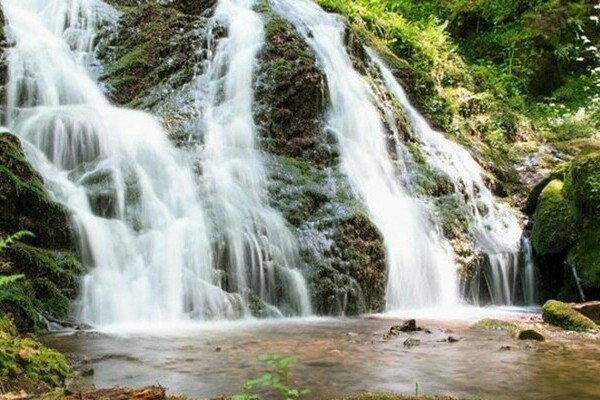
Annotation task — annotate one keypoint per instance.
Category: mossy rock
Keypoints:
(560, 173)
(554, 227)
(154, 45)
(583, 182)
(584, 256)
(496, 325)
(560, 314)
(290, 94)
(48, 261)
(26, 364)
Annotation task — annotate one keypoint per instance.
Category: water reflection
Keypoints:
(343, 356)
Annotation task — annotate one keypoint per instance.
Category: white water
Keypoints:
(254, 239)
(494, 226)
(144, 232)
(421, 270)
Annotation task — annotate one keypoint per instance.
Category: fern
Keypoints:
(5, 242)
(9, 279)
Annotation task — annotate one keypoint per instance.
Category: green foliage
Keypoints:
(5, 242)
(555, 221)
(27, 364)
(560, 314)
(277, 379)
(583, 182)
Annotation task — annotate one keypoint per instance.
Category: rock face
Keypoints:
(566, 228)
(48, 260)
(560, 314)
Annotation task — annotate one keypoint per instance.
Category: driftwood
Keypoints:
(121, 393)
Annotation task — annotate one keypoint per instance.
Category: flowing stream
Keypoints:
(146, 235)
(493, 225)
(421, 269)
(340, 357)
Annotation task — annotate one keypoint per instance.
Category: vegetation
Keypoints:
(25, 364)
(277, 379)
(560, 314)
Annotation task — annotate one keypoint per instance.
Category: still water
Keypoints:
(343, 356)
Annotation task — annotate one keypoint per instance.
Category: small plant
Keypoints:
(277, 378)
(5, 242)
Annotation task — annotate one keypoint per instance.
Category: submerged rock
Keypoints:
(531, 334)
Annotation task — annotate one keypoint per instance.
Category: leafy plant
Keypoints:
(5, 242)
(277, 378)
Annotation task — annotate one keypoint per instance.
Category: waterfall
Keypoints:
(154, 248)
(421, 269)
(254, 239)
(493, 225)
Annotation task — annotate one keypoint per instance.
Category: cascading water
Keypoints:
(494, 227)
(254, 240)
(421, 270)
(145, 234)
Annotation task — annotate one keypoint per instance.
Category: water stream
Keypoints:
(493, 225)
(344, 356)
(146, 234)
(421, 269)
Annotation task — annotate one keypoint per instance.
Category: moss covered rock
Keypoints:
(560, 314)
(496, 324)
(555, 223)
(583, 182)
(154, 45)
(48, 261)
(290, 94)
(26, 364)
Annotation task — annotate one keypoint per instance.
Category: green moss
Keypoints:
(560, 173)
(497, 325)
(560, 314)
(584, 256)
(26, 364)
(583, 182)
(151, 50)
(290, 94)
(48, 262)
(555, 222)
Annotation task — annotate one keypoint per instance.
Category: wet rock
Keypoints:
(452, 339)
(410, 342)
(505, 348)
(561, 315)
(406, 326)
(530, 334)
(217, 349)
(590, 309)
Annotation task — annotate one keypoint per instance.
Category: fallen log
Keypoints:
(121, 393)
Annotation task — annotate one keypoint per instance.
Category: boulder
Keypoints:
(590, 309)
(530, 334)
(560, 314)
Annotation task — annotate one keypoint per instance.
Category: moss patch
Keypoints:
(290, 94)
(554, 227)
(26, 364)
(47, 260)
(560, 314)
(154, 45)
(497, 325)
